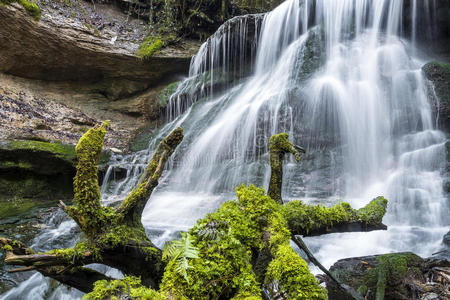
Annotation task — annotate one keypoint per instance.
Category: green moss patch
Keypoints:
(225, 241)
(29, 6)
(58, 150)
(304, 219)
(16, 210)
(130, 285)
(150, 46)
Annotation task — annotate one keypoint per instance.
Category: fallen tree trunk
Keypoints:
(233, 252)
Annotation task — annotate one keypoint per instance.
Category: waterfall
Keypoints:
(344, 79)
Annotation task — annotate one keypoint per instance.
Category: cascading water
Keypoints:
(344, 80)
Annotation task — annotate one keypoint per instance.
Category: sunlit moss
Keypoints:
(29, 6)
(149, 47)
(291, 273)
(130, 286)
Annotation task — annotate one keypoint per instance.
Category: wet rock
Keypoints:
(446, 239)
(433, 27)
(439, 75)
(70, 47)
(391, 276)
(77, 66)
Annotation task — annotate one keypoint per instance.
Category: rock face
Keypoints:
(392, 276)
(433, 26)
(34, 169)
(439, 75)
(65, 48)
(80, 55)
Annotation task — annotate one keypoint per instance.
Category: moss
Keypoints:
(150, 46)
(307, 218)
(16, 165)
(292, 274)
(226, 240)
(279, 145)
(164, 95)
(89, 213)
(29, 6)
(304, 219)
(116, 233)
(130, 286)
(439, 74)
(72, 254)
(7, 248)
(362, 290)
(372, 213)
(18, 208)
(390, 272)
(59, 150)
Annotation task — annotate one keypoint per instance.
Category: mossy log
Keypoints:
(279, 146)
(230, 254)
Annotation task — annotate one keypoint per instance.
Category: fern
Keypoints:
(181, 251)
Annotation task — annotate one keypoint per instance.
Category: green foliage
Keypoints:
(304, 219)
(72, 254)
(225, 240)
(390, 272)
(291, 273)
(7, 248)
(307, 218)
(89, 213)
(279, 145)
(130, 285)
(19, 207)
(373, 212)
(150, 46)
(29, 6)
(181, 251)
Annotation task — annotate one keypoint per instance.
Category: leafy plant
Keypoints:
(181, 251)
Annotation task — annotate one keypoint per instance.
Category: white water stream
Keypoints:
(344, 80)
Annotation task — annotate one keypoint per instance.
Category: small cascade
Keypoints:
(226, 56)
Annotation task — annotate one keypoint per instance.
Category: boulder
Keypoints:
(391, 276)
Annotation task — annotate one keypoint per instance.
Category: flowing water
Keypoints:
(344, 79)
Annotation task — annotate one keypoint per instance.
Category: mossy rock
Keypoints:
(40, 157)
(439, 75)
(19, 210)
(36, 169)
(387, 275)
(149, 47)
